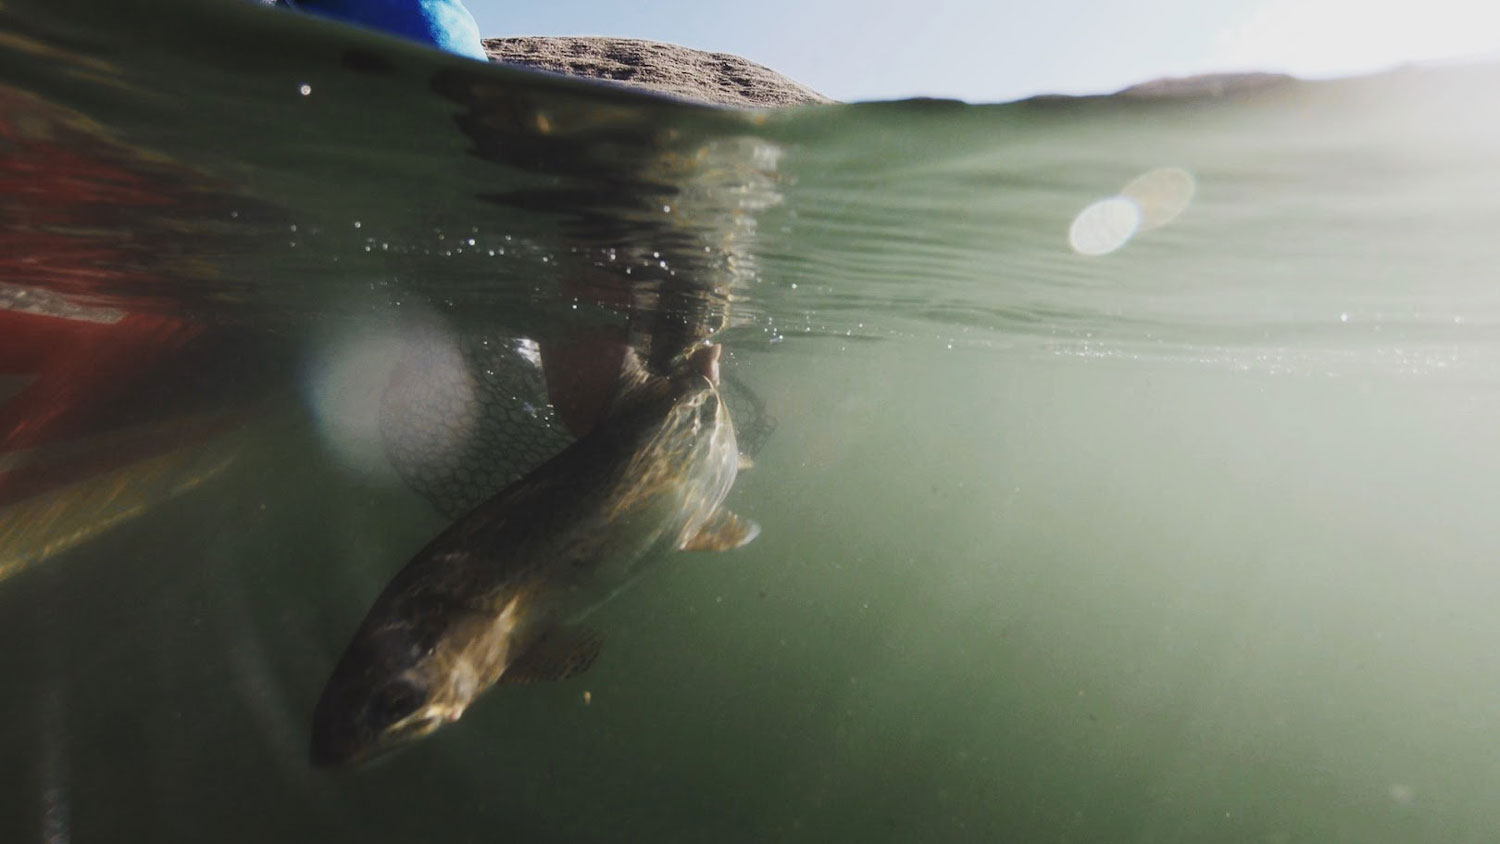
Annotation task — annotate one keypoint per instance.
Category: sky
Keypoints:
(992, 51)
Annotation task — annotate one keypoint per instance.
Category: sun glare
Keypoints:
(1333, 37)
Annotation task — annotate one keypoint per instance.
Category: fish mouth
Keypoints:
(352, 725)
(337, 740)
(344, 748)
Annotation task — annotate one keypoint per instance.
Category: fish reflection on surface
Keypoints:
(492, 599)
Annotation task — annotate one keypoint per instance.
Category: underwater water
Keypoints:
(1125, 467)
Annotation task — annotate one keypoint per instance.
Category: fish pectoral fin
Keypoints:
(745, 462)
(561, 653)
(722, 532)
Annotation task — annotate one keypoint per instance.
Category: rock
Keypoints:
(715, 78)
(1204, 85)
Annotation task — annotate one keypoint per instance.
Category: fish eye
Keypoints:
(395, 701)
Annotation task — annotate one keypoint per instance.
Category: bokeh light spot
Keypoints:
(1162, 194)
(1149, 201)
(1104, 226)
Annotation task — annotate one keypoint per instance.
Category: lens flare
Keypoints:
(1162, 194)
(1149, 201)
(359, 379)
(1104, 226)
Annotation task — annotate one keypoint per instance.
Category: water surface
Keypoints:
(1125, 464)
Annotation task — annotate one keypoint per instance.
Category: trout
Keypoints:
(497, 597)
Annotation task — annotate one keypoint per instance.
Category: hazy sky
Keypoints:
(986, 50)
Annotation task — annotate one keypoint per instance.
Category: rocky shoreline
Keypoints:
(717, 78)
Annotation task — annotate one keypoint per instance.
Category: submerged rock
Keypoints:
(716, 78)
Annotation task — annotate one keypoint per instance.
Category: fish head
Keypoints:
(396, 683)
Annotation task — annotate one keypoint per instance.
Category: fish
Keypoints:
(498, 597)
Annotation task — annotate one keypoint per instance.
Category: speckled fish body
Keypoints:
(494, 597)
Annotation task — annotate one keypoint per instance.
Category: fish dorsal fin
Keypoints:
(561, 653)
(722, 532)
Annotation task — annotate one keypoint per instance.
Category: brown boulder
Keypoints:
(715, 78)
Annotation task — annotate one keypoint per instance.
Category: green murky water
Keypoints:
(1169, 518)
